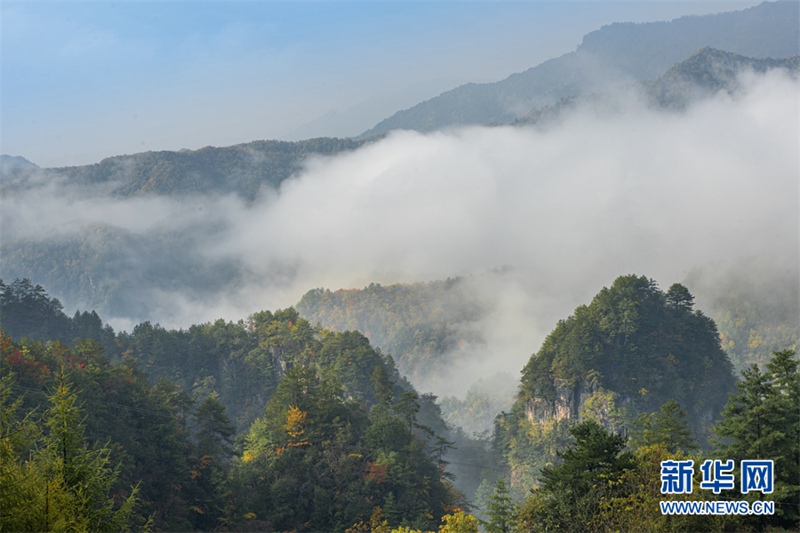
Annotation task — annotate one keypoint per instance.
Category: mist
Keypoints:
(561, 210)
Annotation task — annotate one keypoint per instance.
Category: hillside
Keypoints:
(416, 323)
(633, 348)
(704, 74)
(242, 169)
(613, 55)
(707, 72)
(325, 427)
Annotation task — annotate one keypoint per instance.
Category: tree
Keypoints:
(572, 491)
(66, 486)
(27, 311)
(501, 510)
(21, 507)
(85, 474)
(667, 426)
(459, 522)
(762, 421)
(209, 473)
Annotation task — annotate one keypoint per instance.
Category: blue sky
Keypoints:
(84, 81)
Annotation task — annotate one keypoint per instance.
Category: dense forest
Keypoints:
(267, 424)
(273, 424)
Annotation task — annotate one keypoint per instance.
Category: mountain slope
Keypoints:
(708, 71)
(703, 74)
(633, 348)
(241, 169)
(615, 54)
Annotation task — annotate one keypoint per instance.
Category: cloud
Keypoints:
(569, 208)
(596, 196)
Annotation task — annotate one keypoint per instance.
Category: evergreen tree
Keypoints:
(21, 505)
(213, 451)
(667, 426)
(501, 510)
(762, 421)
(572, 491)
(52, 481)
(84, 475)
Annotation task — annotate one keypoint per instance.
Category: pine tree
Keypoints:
(21, 504)
(79, 480)
(210, 469)
(501, 510)
(762, 421)
(572, 491)
(667, 426)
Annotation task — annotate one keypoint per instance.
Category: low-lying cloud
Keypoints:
(568, 208)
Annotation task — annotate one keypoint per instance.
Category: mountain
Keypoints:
(132, 271)
(416, 323)
(708, 71)
(14, 166)
(633, 348)
(10, 162)
(327, 429)
(610, 56)
(241, 169)
(703, 74)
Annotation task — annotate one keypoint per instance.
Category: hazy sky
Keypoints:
(86, 80)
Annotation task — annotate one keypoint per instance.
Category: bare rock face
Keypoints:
(568, 402)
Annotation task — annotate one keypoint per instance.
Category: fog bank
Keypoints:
(567, 209)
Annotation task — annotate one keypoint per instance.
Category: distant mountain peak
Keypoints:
(10, 162)
(610, 56)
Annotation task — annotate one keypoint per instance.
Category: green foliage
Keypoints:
(175, 454)
(317, 461)
(27, 311)
(644, 346)
(666, 426)
(418, 323)
(232, 361)
(635, 499)
(500, 510)
(20, 480)
(755, 304)
(632, 350)
(426, 326)
(762, 421)
(51, 479)
(572, 491)
(210, 464)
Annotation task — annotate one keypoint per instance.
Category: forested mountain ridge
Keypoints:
(611, 56)
(644, 345)
(629, 351)
(341, 445)
(708, 71)
(326, 429)
(428, 328)
(242, 169)
(416, 323)
(704, 74)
